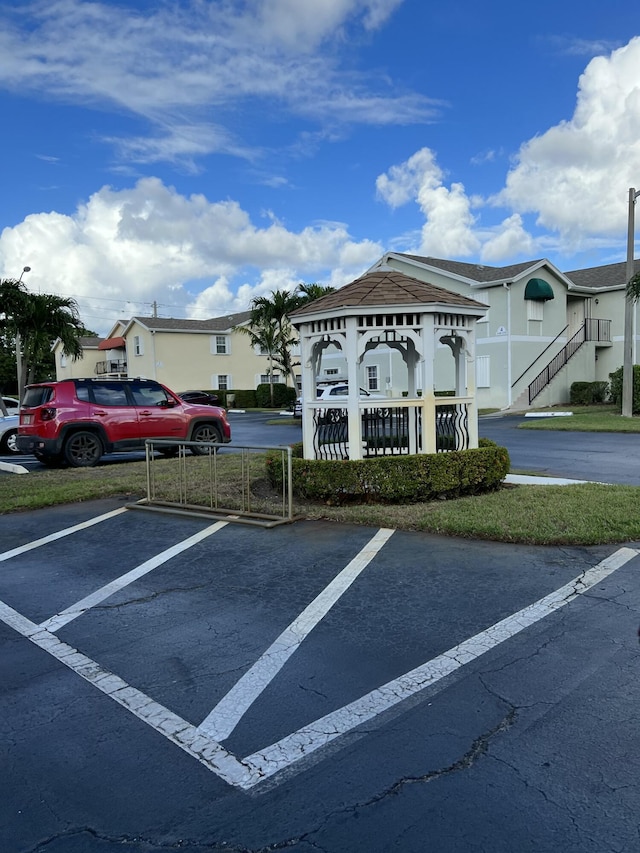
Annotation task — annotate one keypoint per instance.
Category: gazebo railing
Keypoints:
(394, 429)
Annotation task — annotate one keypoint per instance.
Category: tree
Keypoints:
(633, 287)
(270, 328)
(309, 292)
(34, 321)
(274, 312)
(266, 339)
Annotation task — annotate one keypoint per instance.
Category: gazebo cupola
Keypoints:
(386, 307)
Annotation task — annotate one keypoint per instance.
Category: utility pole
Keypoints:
(629, 304)
(19, 349)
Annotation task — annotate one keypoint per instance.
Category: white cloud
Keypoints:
(189, 68)
(448, 230)
(123, 250)
(301, 25)
(508, 240)
(574, 178)
(576, 175)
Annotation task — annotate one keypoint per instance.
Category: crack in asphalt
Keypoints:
(150, 845)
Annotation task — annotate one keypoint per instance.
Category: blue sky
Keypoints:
(198, 153)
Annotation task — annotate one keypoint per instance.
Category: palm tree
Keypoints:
(274, 312)
(309, 292)
(633, 287)
(266, 339)
(36, 320)
(269, 321)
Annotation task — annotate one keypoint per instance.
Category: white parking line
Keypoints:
(308, 739)
(248, 772)
(15, 552)
(178, 731)
(54, 623)
(231, 708)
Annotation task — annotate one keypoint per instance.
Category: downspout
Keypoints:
(153, 348)
(507, 287)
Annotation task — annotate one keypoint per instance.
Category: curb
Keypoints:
(10, 468)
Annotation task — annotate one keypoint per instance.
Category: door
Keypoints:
(158, 413)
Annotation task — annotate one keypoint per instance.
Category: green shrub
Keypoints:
(615, 382)
(244, 399)
(395, 479)
(588, 393)
(283, 396)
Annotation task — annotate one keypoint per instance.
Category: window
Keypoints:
(483, 372)
(109, 394)
(138, 347)
(144, 395)
(264, 378)
(222, 382)
(331, 371)
(482, 296)
(63, 360)
(220, 345)
(372, 378)
(535, 309)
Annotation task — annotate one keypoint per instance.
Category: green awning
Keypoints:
(538, 288)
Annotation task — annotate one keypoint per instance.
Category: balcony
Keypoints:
(113, 368)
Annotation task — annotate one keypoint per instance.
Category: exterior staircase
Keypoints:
(591, 330)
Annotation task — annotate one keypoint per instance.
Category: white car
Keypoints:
(334, 392)
(8, 433)
(12, 405)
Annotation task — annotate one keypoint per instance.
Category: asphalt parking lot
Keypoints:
(174, 684)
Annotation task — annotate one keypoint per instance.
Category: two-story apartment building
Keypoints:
(183, 354)
(544, 330)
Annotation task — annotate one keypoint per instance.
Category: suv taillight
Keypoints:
(47, 414)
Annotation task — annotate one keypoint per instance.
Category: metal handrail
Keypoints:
(557, 363)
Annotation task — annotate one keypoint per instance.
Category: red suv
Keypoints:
(75, 421)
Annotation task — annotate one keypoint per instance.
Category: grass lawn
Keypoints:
(583, 514)
(585, 419)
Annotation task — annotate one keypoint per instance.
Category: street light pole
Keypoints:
(629, 303)
(19, 348)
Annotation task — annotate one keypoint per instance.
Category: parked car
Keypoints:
(8, 434)
(12, 405)
(76, 421)
(333, 392)
(202, 398)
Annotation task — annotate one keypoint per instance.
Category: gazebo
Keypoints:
(386, 307)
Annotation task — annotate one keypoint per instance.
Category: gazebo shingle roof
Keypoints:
(385, 287)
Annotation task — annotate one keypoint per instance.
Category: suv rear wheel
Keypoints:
(205, 432)
(82, 449)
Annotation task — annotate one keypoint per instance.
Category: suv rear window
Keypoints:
(37, 396)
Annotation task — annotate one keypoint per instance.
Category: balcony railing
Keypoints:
(111, 368)
(597, 330)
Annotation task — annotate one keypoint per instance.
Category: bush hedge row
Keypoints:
(588, 393)
(616, 388)
(260, 398)
(395, 479)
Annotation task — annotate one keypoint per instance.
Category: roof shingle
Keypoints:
(385, 288)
